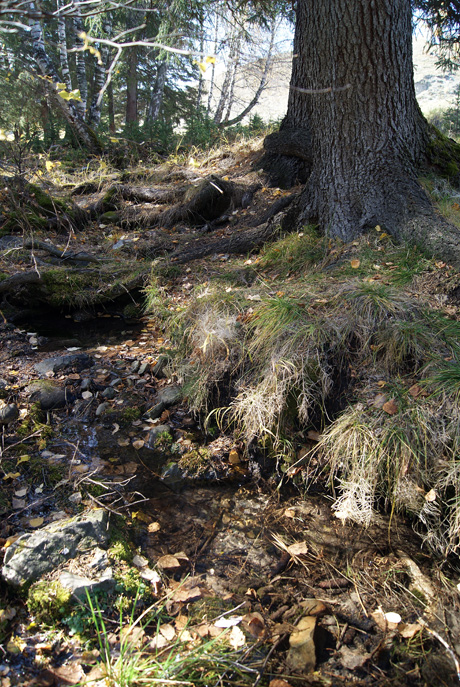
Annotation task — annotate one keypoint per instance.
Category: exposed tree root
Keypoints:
(241, 242)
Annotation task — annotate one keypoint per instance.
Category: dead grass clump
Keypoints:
(407, 461)
(213, 349)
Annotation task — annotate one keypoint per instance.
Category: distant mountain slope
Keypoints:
(435, 89)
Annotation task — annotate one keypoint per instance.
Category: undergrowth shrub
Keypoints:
(316, 353)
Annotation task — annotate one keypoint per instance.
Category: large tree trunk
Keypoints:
(352, 89)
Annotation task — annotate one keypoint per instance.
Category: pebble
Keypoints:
(109, 393)
(9, 413)
(102, 407)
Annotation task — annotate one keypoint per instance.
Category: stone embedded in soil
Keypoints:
(169, 395)
(9, 413)
(109, 393)
(158, 369)
(174, 476)
(61, 362)
(33, 555)
(102, 407)
(154, 434)
(301, 657)
(50, 398)
(165, 398)
(80, 585)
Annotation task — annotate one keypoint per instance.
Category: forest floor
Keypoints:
(229, 560)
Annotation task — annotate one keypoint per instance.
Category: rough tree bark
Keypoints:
(352, 93)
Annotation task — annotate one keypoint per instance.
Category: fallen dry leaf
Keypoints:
(431, 496)
(234, 457)
(409, 630)
(415, 390)
(380, 400)
(300, 548)
(228, 621)
(237, 638)
(255, 624)
(36, 522)
(168, 562)
(21, 492)
(279, 683)
(168, 631)
(154, 527)
(390, 407)
(187, 595)
(355, 263)
(158, 642)
(138, 444)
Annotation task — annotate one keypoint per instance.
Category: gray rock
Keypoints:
(86, 384)
(169, 395)
(157, 369)
(154, 433)
(174, 476)
(143, 368)
(100, 560)
(102, 407)
(3, 383)
(109, 393)
(61, 362)
(165, 398)
(37, 553)
(80, 585)
(52, 397)
(155, 411)
(9, 413)
(135, 366)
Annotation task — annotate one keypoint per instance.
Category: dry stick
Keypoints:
(103, 505)
(449, 650)
(267, 658)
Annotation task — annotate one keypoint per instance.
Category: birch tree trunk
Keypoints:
(213, 69)
(63, 55)
(80, 59)
(260, 88)
(156, 98)
(46, 68)
(232, 56)
(100, 76)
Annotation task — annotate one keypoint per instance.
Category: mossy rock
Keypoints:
(110, 217)
(33, 208)
(48, 601)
